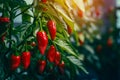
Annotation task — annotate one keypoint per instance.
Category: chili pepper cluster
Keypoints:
(24, 59)
(52, 55)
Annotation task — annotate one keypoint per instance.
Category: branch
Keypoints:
(24, 11)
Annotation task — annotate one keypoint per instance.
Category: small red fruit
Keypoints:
(42, 40)
(44, 1)
(51, 53)
(25, 58)
(15, 62)
(41, 65)
(57, 58)
(52, 28)
(4, 19)
(81, 42)
(109, 42)
(80, 13)
(110, 9)
(81, 38)
(97, 12)
(69, 29)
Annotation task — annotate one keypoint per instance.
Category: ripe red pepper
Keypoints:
(26, 59)
(15, 62)
(57, 58)
(80, 13)
(42, 40)
(4, 19)
(44, 1)
(97, 12)
(61, 67)
(52, 28)
(51, 53)
(110, 9)
(69, 29)
(41, 65)
(81, 42)
(109, 42)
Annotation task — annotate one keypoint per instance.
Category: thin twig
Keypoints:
(23, 11)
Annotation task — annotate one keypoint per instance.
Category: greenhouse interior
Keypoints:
(59, 39)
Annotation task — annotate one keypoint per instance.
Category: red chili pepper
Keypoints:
(57, 58)
(81, 42)
(42, 40)
(97, 12)
(61, 67)
(52, 28)
(80, 13)
(26, 59)
(44, 1)
(69, 29)
(109, 42)
(41, 65)
(15, 62)
(51, 53)
(110, 9)
(4, 19)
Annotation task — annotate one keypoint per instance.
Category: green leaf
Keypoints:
(77, 62)
(65, 46)
(89, 48)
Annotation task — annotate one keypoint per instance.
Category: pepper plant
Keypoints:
(44, 46)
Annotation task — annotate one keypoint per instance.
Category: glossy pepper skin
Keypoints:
(52, 29)
(51, 53)
(15, 62)
(26, 59)
(42, 40)
(41, 65)
(57, 58)
(4, 19)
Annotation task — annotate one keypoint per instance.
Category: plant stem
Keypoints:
(10, 29)
(23, 11)
(40, 24)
